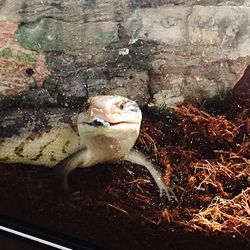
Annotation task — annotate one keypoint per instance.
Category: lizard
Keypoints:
(105, 131)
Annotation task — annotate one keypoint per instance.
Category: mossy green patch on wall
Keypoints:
(6, 53)
(26, 57)
(109, 37)
(28, 36)
(21, 56)
(55, 35)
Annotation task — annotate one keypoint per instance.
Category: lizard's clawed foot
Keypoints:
(165, 190)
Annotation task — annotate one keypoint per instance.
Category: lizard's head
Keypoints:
(113, 117)
(110, 114)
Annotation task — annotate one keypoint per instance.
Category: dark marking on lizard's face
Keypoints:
(13, 122)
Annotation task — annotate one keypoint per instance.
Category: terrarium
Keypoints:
(125, 124)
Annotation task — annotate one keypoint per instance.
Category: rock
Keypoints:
(165, 24)
(162, 52)
(55, 35)
(171, 93)
(133, 84)
(71, 11)
(223, 30)
(241, 91)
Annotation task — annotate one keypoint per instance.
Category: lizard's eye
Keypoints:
(121, 105)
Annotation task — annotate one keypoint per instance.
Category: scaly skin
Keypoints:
(63, 139)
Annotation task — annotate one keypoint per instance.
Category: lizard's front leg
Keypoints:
(140, 159)
(63, 168)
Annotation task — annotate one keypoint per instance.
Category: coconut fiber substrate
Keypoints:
(204, 154)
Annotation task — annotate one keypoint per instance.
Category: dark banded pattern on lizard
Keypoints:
(38, 137)
(63, 139)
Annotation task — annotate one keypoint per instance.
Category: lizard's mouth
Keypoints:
(102, 123)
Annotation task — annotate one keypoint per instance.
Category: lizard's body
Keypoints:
(63, 139)
(37, 137)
